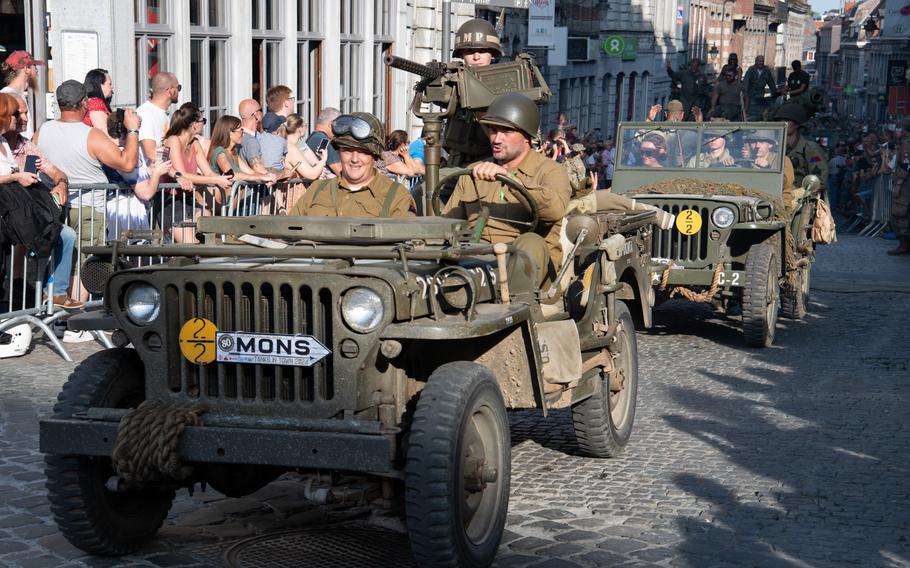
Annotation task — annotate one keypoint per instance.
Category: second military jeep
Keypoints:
(740, 241)
(383, 347)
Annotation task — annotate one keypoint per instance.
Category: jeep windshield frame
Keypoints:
(684, 152)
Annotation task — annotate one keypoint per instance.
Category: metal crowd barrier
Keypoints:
(105, 212)
(881, 207)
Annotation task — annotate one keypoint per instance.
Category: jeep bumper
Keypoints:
(367, 453)
(704, 277)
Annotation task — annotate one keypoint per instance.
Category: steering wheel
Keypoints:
(527, 200)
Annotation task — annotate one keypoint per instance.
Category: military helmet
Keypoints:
(477, 34)
(792, 111)
(359, 130)
(513, 110)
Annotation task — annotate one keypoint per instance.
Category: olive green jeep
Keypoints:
(389, 348)
(741, 239)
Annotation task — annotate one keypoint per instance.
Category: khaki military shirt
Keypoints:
(334, 198)
(808, 158)
(545, 180)
(708, 160)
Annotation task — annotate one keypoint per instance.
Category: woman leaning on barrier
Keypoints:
(189, 161)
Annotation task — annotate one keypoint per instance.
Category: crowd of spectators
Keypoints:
(154, 170)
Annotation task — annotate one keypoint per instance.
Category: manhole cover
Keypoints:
(326, 548)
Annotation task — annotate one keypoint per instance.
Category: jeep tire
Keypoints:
(90, 516)
(458, 468)
(603, 422)
(761, 295)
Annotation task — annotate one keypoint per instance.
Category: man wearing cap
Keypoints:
(20, 73)
(900, 196)
(80, 151)
(360, 190)
(578, 175)
(511, 123)
(807, 156)
(694, 85)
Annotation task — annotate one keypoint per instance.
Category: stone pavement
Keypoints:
(797, 455)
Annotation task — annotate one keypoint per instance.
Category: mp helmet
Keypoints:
(513, 110)
(477, 34)
(361, 131)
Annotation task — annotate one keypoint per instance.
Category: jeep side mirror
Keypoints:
(811, 183)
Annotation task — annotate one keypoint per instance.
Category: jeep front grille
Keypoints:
(676, 246)
(256, 308)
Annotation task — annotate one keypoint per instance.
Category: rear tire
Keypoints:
(603, 424)
(91, 517)
(458, 468)
(761, 295)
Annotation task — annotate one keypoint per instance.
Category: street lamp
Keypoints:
(713, 51)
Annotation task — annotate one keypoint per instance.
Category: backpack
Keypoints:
(29, 217)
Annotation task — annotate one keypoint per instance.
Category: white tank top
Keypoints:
(65, 144)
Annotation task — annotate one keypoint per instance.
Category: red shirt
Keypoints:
(95, 103)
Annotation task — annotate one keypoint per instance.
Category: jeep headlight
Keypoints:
(143, 303)
(362, 309)
(723, 217)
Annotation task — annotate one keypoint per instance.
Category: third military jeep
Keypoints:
(740, 240)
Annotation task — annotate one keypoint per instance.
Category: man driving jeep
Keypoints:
(360, 190)
(494, 211)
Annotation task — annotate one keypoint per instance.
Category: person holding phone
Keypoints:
(396, 161)
(224, 152)
(300, 159)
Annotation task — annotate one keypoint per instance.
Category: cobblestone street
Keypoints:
(797, 455)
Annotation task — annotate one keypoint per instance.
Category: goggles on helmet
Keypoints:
(358, 128)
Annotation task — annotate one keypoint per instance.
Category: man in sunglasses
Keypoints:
(360, 190)
(511, 123)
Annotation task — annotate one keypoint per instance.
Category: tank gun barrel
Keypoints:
(412, 67)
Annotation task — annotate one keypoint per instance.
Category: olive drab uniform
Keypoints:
(808, 158)
(545, 180)
(382, 197)
(900, 196)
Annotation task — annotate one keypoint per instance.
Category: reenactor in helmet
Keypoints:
(761, 145)
(511, 123)
(477, 43)
(360, 190)
(807, 156)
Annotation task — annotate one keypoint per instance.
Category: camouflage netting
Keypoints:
(686, 186)
(700, 187)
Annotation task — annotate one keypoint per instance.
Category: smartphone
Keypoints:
(229, 173)
(323, 144)
(166, 154)
(31, 164)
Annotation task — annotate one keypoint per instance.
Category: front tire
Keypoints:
(603, 422)
(761, 295)
(91, 517)
(458, 468)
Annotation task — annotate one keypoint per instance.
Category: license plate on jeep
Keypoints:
(269, 349)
